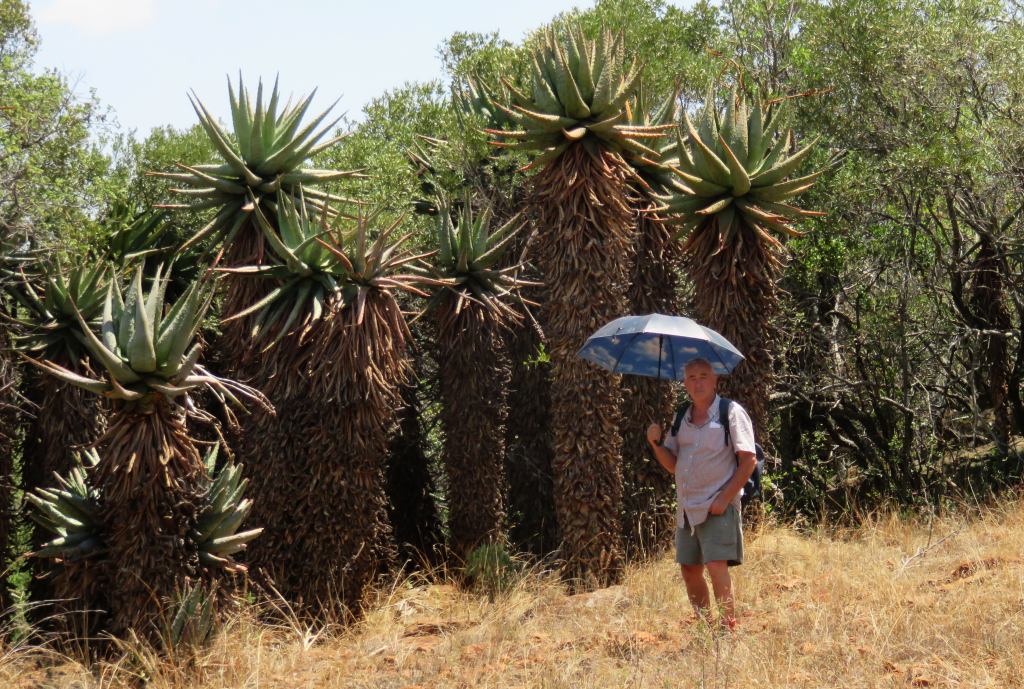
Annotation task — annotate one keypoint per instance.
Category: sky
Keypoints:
(143, 56)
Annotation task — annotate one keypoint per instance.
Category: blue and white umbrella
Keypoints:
(658, 346)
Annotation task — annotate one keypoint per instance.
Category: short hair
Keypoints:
(698, 362)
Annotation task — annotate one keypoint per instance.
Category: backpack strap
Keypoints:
(723, 418)
(680, 415)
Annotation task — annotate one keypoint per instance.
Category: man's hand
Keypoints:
(719, 506)
(654, 434)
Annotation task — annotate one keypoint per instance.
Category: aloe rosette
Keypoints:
(262, 157)
(577, 92)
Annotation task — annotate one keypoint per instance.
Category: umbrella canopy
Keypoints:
(658, 346)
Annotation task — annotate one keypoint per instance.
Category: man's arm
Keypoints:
(665, 457)
(746, 463)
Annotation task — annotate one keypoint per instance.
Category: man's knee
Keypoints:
(718, 570)
(692, 572)
(717, 567)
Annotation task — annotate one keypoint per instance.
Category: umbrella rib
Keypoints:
(675, 367)
(661, 346)
(623, 352)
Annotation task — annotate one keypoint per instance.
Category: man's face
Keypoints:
(700, 382)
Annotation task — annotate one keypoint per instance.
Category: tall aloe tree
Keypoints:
(730, 193)
(446, 169)
(573, 116)
(359, 361)
(150, 480)
(330, 303)
(64, 416)
(472, 305)
(262, 171)
(648, 512)
(528, 437)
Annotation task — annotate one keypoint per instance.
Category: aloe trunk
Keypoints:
(410, 487)
(533, 526)
(152, 480)
(65, 418)
(474, 372)
(362, 362)
(744, 312)
(320, 492)
(648, 503)
(582, 201)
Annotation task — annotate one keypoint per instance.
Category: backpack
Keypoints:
(752, 488)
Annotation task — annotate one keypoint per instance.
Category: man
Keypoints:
(709, 477)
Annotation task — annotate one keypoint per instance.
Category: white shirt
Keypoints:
(704, 463)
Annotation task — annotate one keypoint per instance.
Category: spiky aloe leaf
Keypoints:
(145, 354)
(306, 275)
(133, 233)
(657, 123)
(194, 619)
(473, 97)
(375, 259)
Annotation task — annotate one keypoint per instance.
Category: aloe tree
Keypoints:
(729, 199)
(473, 307)
(331, 312)
(359, 361)
(447, 169)
(64, 416)
(149, 479)
(280, 294)
(529, 447)
(572, 115)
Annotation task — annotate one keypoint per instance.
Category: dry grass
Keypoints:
(889, 604)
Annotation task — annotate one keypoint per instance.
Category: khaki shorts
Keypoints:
(718, 538)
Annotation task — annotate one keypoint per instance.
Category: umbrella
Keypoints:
(658, 346)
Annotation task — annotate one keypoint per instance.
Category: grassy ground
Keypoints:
(889, 604)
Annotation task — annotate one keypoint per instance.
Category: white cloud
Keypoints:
(648, 349)
(599, 354)
(99, 16)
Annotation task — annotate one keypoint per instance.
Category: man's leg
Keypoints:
(697, 590)
(718, 570)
